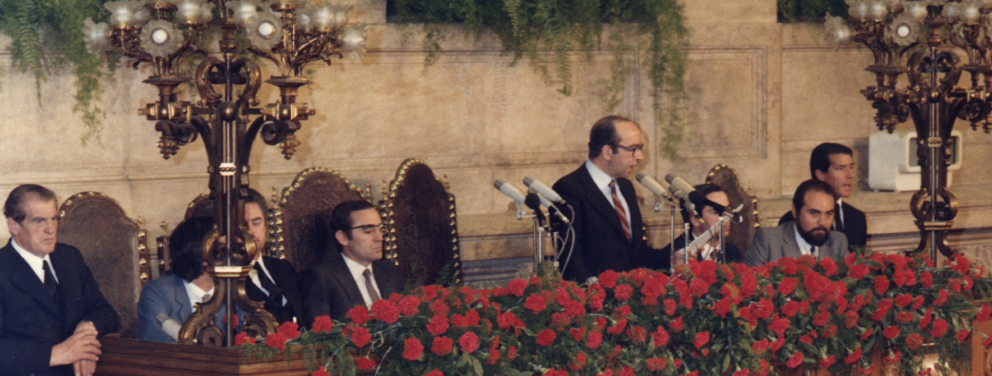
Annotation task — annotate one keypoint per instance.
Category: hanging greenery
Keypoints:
(790, 11)
(47, 37)
(650, 33)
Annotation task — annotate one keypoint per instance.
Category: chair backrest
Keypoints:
(113, 246)
(422, 232)
(740, 232)
(313, 191)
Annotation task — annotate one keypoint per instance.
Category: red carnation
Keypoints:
(963, 335)
(941, 298)
(545, 338)
(759, 347)
(637, 333)
(795, 360)
(385, 311)
(893, 358)
(434, 372)
(438, 325)
(364, 364)
(858, 271)
(702, 338)
(409, 305)
(243, 338)
(890, 332)
(516, 287)
(904, 300)
(722, 307)
(360, 336)
(358, 315)
(277, 340)
(594, 340)
(622, 292)
(323, 324)
(787, 286)
(830, 331)
(827, 362)
(469, 342)
(829, 266)
(984, 313)
(442, 346)
(511, 353)
(618, 328)
(854, 357)
(580, 361)
(578, 334)
(939, 328)
(440, 307)
(676, 325)
(670, 306)
(791, 308)
(412, 349)
(320, 372)
(660, 337)
(926, 279)
(608, 278)
(779, 325)
(289, 329)
(821, 318)
(914, 341)
(656, 364)
(535, 303)
(749, 284)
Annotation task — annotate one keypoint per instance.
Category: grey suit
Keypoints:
(771, 244)
(167, 295)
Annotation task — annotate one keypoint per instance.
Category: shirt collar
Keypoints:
(804, 247)
(36, 263)
(195, 293)
(355, 268)
(600, 178)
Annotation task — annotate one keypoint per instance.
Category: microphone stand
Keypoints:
(534, 203)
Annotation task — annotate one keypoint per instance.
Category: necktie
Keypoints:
(267, 284)
(368, 285)
(815, 251)
(839, 219)
(50, 285)
(619, 208)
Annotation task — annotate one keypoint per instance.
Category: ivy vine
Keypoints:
(47, 38)
(809, 10)
(650, 33)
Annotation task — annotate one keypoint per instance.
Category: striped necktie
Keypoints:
(619, 207)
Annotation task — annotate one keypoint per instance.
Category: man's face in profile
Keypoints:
(37, 233)
(255, 220)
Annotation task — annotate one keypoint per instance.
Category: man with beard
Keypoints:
(814, 206)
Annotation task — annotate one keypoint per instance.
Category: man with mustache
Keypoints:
(813, 206)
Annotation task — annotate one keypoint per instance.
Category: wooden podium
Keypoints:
(133, 357)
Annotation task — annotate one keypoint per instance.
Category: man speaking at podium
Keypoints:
(609, 233)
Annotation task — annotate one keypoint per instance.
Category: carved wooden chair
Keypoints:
(740, 232)
(422, 232)
(113, 246)
(313, 191)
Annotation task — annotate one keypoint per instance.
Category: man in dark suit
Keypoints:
(834, 164)
(273, 281)
(609, 234)
(167, 301)
(814, 204)
(354, 272)
(710, 213)
(51, 309)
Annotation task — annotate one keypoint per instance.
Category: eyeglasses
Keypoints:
(633, 149)
(370, 229)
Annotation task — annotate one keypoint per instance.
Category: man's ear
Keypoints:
(820, 175)
(606, 152)
(13, 226)
(341, 237)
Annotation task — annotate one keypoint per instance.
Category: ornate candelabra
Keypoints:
(291, 34)
(933, 97)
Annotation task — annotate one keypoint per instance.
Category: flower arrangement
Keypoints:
(706, 319)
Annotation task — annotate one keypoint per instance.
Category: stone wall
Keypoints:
(764, 94)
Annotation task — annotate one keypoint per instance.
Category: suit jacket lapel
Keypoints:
(790, 248)
(182, 298)
(343, 275)
(66, 274)
(596, 198)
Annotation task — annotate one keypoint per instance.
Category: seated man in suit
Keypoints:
(609, 233)
(51, 309)
(814, 205)
(167, 301)
(273, 280)
(354, 271)
(834, 164)
(716, 202)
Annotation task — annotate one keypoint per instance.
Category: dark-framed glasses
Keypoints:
(633, 149)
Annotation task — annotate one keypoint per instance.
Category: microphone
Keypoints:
(513, 193)
(533, 201)
(543, 189)
(169, 326)
(552, 209)
(684, 191)
(653, 185)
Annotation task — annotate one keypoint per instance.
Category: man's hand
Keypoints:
(82, 350)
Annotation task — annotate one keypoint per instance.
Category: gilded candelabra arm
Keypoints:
(208, 97)
(253, 74)
(280, 65)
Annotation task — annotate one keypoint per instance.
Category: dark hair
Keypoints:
(14, 207)
(819, 160)
(185, 246)
(604, 132)
(799, 199)
(329, 222)
(705, 190)
(257, 198)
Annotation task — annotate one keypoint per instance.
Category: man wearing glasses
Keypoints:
(354, 272)
(609, 234)
(709, 214)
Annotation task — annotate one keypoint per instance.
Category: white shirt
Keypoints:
(602, 181)
(356, 270)
(36, 263)
(253, 274)
(804, 247)
(196, 294)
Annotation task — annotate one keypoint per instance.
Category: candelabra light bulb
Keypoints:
(160, 36)
(951, 11)
(95, 36)
(970, 13)
(878, 10)
(859, 10)
(243, 10)
(322, 18)
(916, 9)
